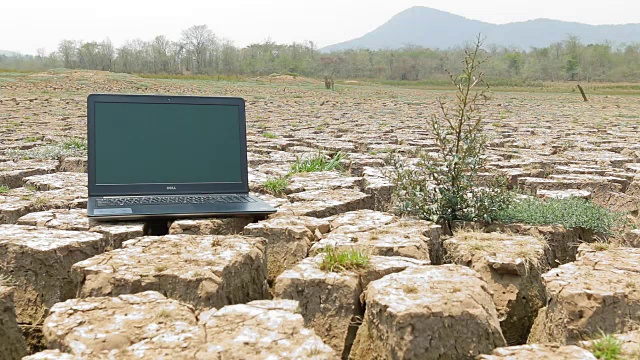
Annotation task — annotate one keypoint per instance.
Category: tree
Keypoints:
(67, 49)
(515, 62)
(572, 67)
(160, 52)
(197, 39)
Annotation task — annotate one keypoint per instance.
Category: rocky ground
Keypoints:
(247, 289)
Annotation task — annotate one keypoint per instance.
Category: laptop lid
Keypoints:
(151, 144)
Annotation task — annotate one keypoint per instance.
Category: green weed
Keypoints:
(345, 260)
(318, 163)
(276, 186)
(607, 348)
(571, 213)
(71, 147)
(269, 135)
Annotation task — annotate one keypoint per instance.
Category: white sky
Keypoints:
(26, 25)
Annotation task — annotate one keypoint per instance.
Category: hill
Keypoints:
(8, 53)
(431, 28)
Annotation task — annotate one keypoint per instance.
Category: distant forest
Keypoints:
(200, 52)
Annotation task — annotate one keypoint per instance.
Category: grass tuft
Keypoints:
(4, 189)
(607, 348)
(160, 268)
(75, 144)
(164, 313)
(71, 147)
(344, 260)
(269, 135)
(318, 163)
(30, 187)
(571, 213)
(276, 186)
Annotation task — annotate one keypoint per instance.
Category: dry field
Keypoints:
(245, 289)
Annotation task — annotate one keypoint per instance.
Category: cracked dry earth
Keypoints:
(240, 288)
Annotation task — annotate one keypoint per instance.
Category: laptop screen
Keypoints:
(147, 143)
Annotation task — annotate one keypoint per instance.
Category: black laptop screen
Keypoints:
(143, 143)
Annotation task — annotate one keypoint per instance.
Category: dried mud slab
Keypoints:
(597, 293)
(12, 344)
(147, 325)
(359, 221)
(77, 220)
(38, 263)
(139, 325)
(562, 243)
(214, 226)
(261, 330)
(323, 180)
(511, 265)
(410, 238)
(432, 312)
(602, 189)
(288, 240)
(379, 186)
(632, 238)
(13, 173)
(205, 271)
(73, 164)
(50, 355)
(58, 180)
(325, 203)
(21, 201)
(535, 351)
(563, 194)
(330, 301)
(13, 207)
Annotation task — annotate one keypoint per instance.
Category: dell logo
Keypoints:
(171, 187)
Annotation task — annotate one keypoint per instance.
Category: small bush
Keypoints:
(346, 260)
(318, 163)
(276, 186)
(443, 185)
(67, 148)
(607, 348)
(571, 213)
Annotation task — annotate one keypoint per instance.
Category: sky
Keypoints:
(28, 25)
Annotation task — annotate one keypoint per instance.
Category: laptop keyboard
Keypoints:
(174, 199)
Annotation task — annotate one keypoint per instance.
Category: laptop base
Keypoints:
(175, 211)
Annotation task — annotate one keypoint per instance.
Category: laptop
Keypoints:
(156, 156)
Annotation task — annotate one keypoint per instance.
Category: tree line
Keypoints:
(200, 52)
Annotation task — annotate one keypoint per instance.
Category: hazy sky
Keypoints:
(27, 25)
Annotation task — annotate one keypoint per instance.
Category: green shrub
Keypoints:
(344, 260)
(607, 348)
(318, 162)
(571, 213)
(276, 186)
(443, 186)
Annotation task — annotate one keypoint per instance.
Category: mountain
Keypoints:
(431, 28)
(8, 53)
